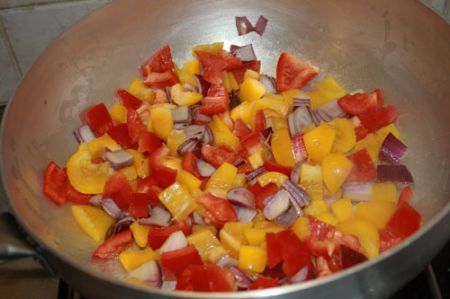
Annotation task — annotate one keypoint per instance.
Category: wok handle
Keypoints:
(14, 244)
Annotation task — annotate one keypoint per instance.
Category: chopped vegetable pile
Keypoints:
(214, 177)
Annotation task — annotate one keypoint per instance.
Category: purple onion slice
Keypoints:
(261, 25)
(181, 115)
(204, 168)
(242, 197)
(84, 134)
(392, 150)
(245, 53)
(119, 159)
(244, 214)
(243, 25)
(394, 173)
(277, 205)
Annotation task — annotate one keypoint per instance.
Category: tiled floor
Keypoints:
(26, 29)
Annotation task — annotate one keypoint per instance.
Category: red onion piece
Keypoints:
(187, 146)
(195, 131)
(357, 191)
(158, 216)
(169, 285)
(298, 119)
(180, 126)
(84, 134)
(148, 273)
(226, 262)
(119, 226)
(242, 280)
(181, 115)
(328, 112)
(300, 276)
(302, 100)
(243, 25)
(239, 161)
(119, 159)
(269, 83)
(204, 168)
(202, 85)
(197, 218)
(297, 193)
(295, 173)
(242, 197)
(255, 173)
(110, 207)
(288, 218)
(244, 214)
(175, 241)
(208, 136)
(261, 24)
(96, 200)
(392, 150)
(277, 205)
(245, 53)
(169, 94)
(394, 173)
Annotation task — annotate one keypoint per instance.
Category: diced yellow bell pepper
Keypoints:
(150, 125)
(192, 67)
(251, 74)
(87, 177)
(275, 177)
(237, 229)
(97, 146)
(234, 85)
(376, 212)
(252, 258)
(256, 159)
(93, 221)
(214, 48)
(173, 162)
(274, 102)
(230, 242)
(384, 131)
(319, 142)
(335, 169)
(345, 135)
(191, 182)
(140, 233)
(184, 98)
(279, 123)
(244, 112)
(223, 137)
(140, 162)
(141, 91)
(282, 148)
(199, 227)
(372, 143)
(330, 88)
(311, 180)
(342, 209)
(328, 218)
(239, 180)
(174, 140)
(251, 90)
(132, 259)
(316, 207)
(205, 242)
(270, 227)
(162, 117)
(366, 232)
(178, 201)
(222, 180)
(385, 192)
(119, 113)
(301, 228)
(255, 236)
(317, 99)
(131, 174)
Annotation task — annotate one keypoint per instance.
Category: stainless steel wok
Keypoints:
(399, 46)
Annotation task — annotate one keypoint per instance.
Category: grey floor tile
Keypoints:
(9, 76)
(31, 29)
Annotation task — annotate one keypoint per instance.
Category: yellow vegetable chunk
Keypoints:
(345, 135)
(282, 148)
(385, 192)
(342, 209)
(372, 143)
(244, 112)
(384, 131)
(199, 227)
(223, 136)
(119, 113)
(328, 218)
(301, 228)
(311, 180)
(335, 169)
(252, 258)
(174, 140)
(277, 104)
(206, 243)
(184, 98)
(98, 145)
(330, 88)
(239, 180)
(162, 119)
(178, 201)
(93, 221)
(266, 178)
(251, 90)
(249, 73)
(87, 177)
(230, 242)
(256, 159)
(141, 91)
(366, 232)
(376, 212)
(140, 233)
(132, 259)
(222, 180)
(191, 182)
(255, 236)
(316, 207)
(213, 48)
(140, 163)
(319, 142)
(131, 174)
(192, 67)
(237, 229)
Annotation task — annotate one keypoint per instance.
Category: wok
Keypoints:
(399, 46)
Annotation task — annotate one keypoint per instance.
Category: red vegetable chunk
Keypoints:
(376, 119)
(165, 175)
(350, 257)
(216, 101)
(217, 156)
(359, 103)
(118, 189)
(263, 282)
(120, 135)
(158, 69)
(128, 100)
(363, 168)
(293, 73)
(189, 163)
(218, 210)
(139, 205)
(206, 278)
(148, 142)
(174, 262)
(114, 245)
(55, 183)
(157, 235)
(405, 221)
(98, 119)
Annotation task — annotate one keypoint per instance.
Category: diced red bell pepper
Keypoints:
(174, 262)
(298, 148)
(148, 142)
(165, 176)
(271, 165)
(74, 196)
(139, 205)
(120, 135)
(118, 189)
(113, 246)
(98, 119)
(150, 187)
(350, 257)
(245, 167)
(254, 65)
(251, 144)
(360, 132)
(241, 130)
(189, 163)
(405, 195)
(293, 73)
(161, 80)
(135, 126)
(218, 210)
(359, 103)
(296, 253)
(262, 193)
(158, 69)
(380, 98)
(260, 121)
(128, 100)
(263, 282)
(363, 169)
(217, 156)
(215, 64)
(216, 101)
(321, 237)
(158, 235)
(206, 278)
(388, 239)
(376, 119)
(405, 221)
(55, 180)
(274, 250)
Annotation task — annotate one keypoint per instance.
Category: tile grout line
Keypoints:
(10, 49)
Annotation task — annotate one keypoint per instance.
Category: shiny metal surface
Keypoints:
(399, 46)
